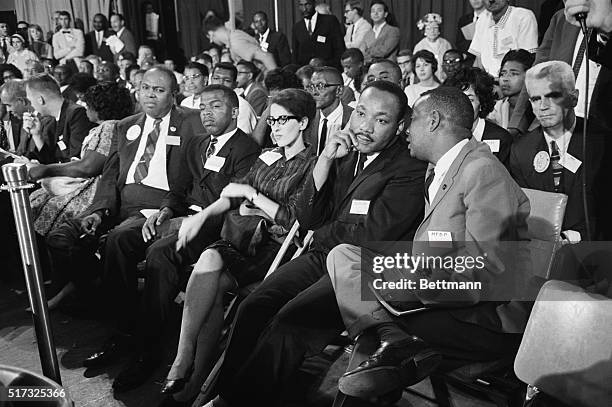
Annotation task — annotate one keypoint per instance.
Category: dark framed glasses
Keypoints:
(320, 87)
(280, 119)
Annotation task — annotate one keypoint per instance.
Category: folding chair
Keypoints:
(209, 383)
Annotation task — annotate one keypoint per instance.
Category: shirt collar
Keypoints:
(479, 129)
(313, 21)
(166, 118)
(378, 29)
(562, 142)
(448, 158)
(248, 88)
(264, 37)
(120, 31)
(334, 116)
(224, 138)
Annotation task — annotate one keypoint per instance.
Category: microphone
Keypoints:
(581, 18)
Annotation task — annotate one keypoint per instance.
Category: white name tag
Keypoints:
(270, 157)
(570, 162)
(493, 145)
(61, 145)
(173, 140)
(321, 39)
(436, 236)
(196, 208)
(360, 207)
(214, 163)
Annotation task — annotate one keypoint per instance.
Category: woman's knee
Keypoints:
(210, 261)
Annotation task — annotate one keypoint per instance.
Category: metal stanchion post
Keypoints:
(16, 177)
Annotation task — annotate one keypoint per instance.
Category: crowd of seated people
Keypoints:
(147, 166)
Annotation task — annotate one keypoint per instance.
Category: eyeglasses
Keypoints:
(321, 86)
(194, 76)
(451, 61)
(244, 72)
(280, 119)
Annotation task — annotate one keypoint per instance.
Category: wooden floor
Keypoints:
(77, 337)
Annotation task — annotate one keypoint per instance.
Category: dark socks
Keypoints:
(390, 332)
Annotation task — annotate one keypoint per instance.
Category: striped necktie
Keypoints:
(4, 141)
(580, 54)
(428, 180)
(557, 168)
(211, 149)
(142, 169)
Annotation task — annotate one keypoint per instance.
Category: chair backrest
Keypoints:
(544, 222)
(566, 349)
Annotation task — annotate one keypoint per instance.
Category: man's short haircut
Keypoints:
(103, 17)
(426, 56)
(559, 73)
(263, 14)
(64, 13)
(118, 15)
(212, 23)
(393, 66)
(455, 51)
(250, 67)
(453, 105)
(114, 68)
(228, 93)
(174, 87)
(227, 66)
(405, 53)
(354, 54)
(44, 83)
(483, 85)
(200, 67)
(355, 5)
(382, 3)
(331, 71)
(15, 89)
(297, 102)
(521, 56)
(11, 68)
(393, 89)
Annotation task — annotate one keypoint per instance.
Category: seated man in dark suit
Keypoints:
(143, 165)
(550, 158)
(367, 195)
(208, 164)
(58, 135)
(317, 36)
(274, 42)
(253, 91)
(95, 40)
(472, 206)
(478, 86)
(326, 87)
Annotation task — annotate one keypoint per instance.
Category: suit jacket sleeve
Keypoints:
(258, 100)
(80, 46)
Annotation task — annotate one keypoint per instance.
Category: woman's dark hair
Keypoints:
(297, 102)
(12, 68)
(109, 100)
(521, 56)
(483, 85)
(278, 79)
(426, 56)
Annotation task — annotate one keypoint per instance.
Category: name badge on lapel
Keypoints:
(493, 145)
(360, 207)
(270, 157)
(173, 140)
(61, 145)
(440, 239)
(321, 39)
(214, 163)
(570, 162)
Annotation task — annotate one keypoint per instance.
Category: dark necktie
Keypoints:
(360, 164)
(4, 141)
(557, 168)
(428, 180)
(352, 31)
(211, 149)
(142, 169)
(309, 26)
(580, 54)
(323, 137)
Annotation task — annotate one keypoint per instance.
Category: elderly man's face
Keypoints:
(451, 63)
(17, 106)
(156, 93)
(324, 88)
(375, 120)
(216, 112)
(549, 102)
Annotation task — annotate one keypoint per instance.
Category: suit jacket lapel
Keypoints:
(59, 126)
(346, 114)
(16, 125)
(131, 147)
(570, 36)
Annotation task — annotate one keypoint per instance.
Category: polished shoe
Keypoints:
(136, 374)
(393, 366)
(111, 351)
(174, 385)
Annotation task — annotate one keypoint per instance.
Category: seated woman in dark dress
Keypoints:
(273, 185)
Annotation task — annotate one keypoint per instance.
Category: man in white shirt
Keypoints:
(68, 43)
(224, 73)
(357, 26)
(501, 29)
(195, 80)
(95, 40)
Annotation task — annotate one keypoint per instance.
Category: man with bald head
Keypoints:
(326, 87)
(384, 70)
(471, 206)
(144, 164)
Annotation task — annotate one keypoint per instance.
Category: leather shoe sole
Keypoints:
(377, 381)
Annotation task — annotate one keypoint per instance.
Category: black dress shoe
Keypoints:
(135, 374)
(174, 385)
(393, 366)
(110, 352)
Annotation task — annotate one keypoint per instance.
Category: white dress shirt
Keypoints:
(313, 22)
(156, 176)
(222, 139)
(378, 29)
(479, 129)
(334, 118)
(8, 127)
(191, 102)
(442, 166)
